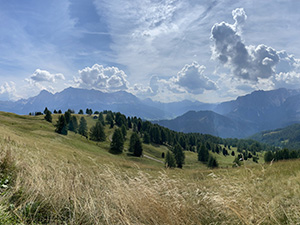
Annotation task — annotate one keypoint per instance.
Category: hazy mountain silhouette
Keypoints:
(208, 122)
(255, 112)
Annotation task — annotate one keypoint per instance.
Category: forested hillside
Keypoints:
(288, 137)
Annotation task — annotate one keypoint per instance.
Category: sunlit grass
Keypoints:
(77, 181)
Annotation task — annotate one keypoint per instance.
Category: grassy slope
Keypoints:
(78, 181)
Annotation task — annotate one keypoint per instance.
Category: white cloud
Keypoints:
(287, 80)
(8, 91)
(45, 76)
(192, 78)
(156, 37)
(102, 78)
(252, 67)
(189, 83)
(246, 62)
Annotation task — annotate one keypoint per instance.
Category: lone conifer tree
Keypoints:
(170, 160)
(48, 116)
(97, 132)
(61, 125)
(83, 127)
(179, 155)
(203, 153)
(117, 143)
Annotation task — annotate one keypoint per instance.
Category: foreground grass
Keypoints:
(68, 179)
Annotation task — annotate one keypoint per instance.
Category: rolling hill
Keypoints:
(51, 178)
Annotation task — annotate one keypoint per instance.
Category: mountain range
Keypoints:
(242, 117)
(121, 101)
(245, 116)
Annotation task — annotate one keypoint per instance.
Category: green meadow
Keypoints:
(48, 178)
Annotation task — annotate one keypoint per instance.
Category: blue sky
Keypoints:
(167, 50)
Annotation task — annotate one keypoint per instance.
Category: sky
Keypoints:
(166, 50)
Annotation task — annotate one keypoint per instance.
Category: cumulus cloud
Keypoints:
(192, 78)
(288, 80)
(45, 76)
(189, 80)
(8, 91)
(255, 67)
(246, 62)
(142, 91)
(102, 78)
(239, 17)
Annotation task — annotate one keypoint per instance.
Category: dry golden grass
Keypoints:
(71, 185)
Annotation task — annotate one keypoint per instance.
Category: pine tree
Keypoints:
(124, 131)
(111, 124)
(67, 116)
(170, 160)
(129, 124)
(73, 125)
(46, 110)
(83, 127)
(139, 126)
(48, 116)
(97, 132)
(179, 155)
(117, 143)
(61, 125)
(146, 138)
(135, 145)
(89, 111)
(212, 162)
(80, 111)
(101, 118)
(109, 118)
(203, 153)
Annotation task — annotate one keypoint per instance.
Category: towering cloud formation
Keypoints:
(257, 64)
(247, 62)
(103, 78)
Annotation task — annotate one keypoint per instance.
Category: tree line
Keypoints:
(147, 132)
